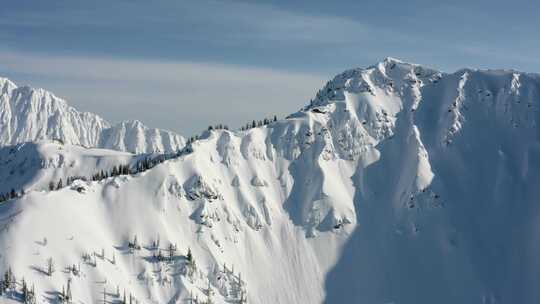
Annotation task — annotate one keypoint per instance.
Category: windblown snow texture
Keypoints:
(396, 184)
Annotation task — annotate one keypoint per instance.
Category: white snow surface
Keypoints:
(397, 184)
(28, 114)
(33, 165)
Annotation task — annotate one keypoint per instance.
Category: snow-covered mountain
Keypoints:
(28, 114)
(396, 184)
(31, 166)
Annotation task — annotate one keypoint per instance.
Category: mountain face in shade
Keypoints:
(397, 183)
(28, 114)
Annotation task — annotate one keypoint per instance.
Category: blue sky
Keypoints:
(182, 65)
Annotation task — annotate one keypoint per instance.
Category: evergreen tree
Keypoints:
(189, 256)
(6, 281)
(50, 266)
(60, 185)
(24, 291)
(172, 251)
(134, 244)
(9, 279)
(33, 294)
(68, 292)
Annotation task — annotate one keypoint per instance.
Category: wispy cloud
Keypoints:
(199, 62)
(205, 19)
(182, 96)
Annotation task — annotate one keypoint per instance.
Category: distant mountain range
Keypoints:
(28, 114)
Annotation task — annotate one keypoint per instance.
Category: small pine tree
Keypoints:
(189, 256)
(24, 291)
(13, 281)
(172, 251)
(68, 292)
(50, 266)
(13, 193)
(7, 279)
(63, 294)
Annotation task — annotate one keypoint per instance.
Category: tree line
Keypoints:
(11, 195)
(247, 126)
(122, 169)
(141, 165)
(260, 123)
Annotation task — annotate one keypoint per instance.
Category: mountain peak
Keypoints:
(386, 76)
(6, 84)
(31, 114)
(395, 158)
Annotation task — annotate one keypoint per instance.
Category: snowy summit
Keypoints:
(28, 114)
(396, 183)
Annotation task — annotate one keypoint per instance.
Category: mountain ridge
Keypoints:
(396, 184)
(29, 114)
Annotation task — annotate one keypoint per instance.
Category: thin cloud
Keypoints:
(182, 96)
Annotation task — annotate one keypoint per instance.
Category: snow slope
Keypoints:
(396, 184)
(33, 165)
(28, 114)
